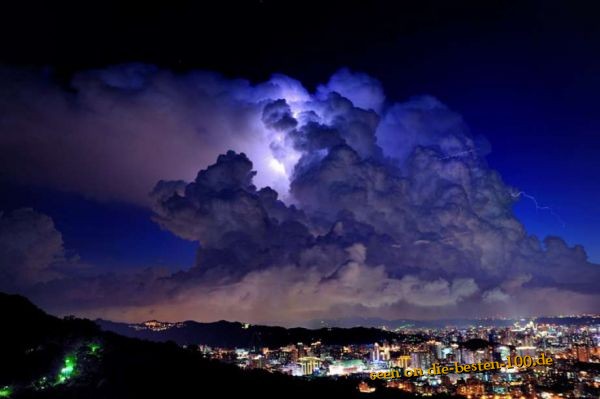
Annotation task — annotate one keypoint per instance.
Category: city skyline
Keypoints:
(410, 359)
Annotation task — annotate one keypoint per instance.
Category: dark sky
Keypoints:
(524, 74)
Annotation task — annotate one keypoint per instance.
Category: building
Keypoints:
(422, 360)
(301, 350)
(404, 361)
(582, 353)
(526, 351)
(346, 367)
(436, 349)
(471, 388)
(256, 362)
(375, 353)
(309, 364)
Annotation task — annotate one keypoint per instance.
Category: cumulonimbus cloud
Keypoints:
(306, 205)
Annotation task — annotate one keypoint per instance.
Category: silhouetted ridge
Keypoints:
(227, 334)
(48, 357)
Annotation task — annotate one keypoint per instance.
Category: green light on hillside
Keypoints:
(68, 369)
(94, 348)
(5, 392)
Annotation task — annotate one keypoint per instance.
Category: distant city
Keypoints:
(574, 348)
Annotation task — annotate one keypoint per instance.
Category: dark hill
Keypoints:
(226, 334)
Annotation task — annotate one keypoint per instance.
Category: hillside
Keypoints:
(233, 334)
(47, 357)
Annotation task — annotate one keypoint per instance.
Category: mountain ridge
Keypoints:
(235, 334)
(224, 333)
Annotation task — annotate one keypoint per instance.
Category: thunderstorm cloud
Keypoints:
(332, 203)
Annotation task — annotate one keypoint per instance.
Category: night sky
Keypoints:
(424, 160)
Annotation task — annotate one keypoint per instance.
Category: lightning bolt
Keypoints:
(539, 207)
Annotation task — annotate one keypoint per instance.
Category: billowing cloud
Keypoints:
(31, 249)
(113, 133)
(495, 295)
(306, 205)
(364, 91)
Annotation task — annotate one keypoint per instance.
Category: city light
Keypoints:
(564, 349)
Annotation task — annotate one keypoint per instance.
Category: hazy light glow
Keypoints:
(94, 348)
(277, 166)
(68, 369)
(5, 392)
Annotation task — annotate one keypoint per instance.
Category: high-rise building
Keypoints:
(385, 352)
(309, 364)
(256, 362)
(422, 360)
(528, 340)
(295, 356)
(404, 361)
(582, 353)
(436, 349)
(466, 356)
(375, 354)
(315, 349)
(301, 350)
